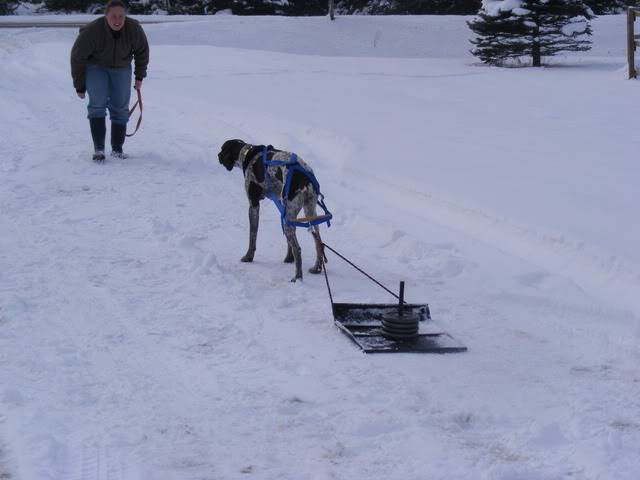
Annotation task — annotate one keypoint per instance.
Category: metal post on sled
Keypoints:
(401, 324)
(633, 40)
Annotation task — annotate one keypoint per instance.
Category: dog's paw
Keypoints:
(296, 278)
(315, 269)
(247, 258)
(288, 259)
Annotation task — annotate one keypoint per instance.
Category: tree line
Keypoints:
(288, 7)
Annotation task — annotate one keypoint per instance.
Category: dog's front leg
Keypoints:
(290, 233)
(254, 219)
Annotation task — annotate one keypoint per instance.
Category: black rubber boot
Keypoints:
(98, 132)
(118, 133)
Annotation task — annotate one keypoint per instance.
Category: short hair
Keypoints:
(114, 3)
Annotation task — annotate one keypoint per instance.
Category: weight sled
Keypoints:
(387, 328)
(363, 324)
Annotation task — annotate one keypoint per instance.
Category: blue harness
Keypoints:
(293, 165)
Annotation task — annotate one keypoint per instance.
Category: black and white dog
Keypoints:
(261, 181)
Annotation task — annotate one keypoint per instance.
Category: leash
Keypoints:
(138, 103)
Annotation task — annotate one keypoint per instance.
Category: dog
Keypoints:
(261, 182)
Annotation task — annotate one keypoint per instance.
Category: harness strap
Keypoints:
(293, 165)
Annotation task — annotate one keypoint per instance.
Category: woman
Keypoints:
(101, 66)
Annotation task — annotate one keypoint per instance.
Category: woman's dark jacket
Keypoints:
(98, 44)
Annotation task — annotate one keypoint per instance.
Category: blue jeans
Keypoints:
(109, 88)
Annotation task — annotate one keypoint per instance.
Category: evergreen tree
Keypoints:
(86, 6)
(438, 7)
(259, 7)
(411, 7)
(601, 7)
(308, 7)
(7, 7)
(509, 29)
(142, 7)
(188, 7)
(604, 7)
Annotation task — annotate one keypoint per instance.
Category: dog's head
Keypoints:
(229, 153)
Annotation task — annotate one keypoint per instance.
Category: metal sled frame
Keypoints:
(362, 323)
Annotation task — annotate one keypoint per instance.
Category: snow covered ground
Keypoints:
(134, 345)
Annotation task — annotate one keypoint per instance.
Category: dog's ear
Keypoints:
(229, 153)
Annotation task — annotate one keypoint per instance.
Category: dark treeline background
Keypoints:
(287, 7)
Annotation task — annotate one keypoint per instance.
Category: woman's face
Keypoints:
(115, 18)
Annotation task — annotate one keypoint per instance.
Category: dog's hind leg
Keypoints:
(310, 212)
(254, 219)
(290, 233)
(289, 257)
(317, 267)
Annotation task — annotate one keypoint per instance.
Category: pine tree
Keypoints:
(510, 29)
(141, 7)
(603, 7)
(438, 7)
(308, 7)
(7, 7)
(410, 7)
(86, 6)
(259, 7)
